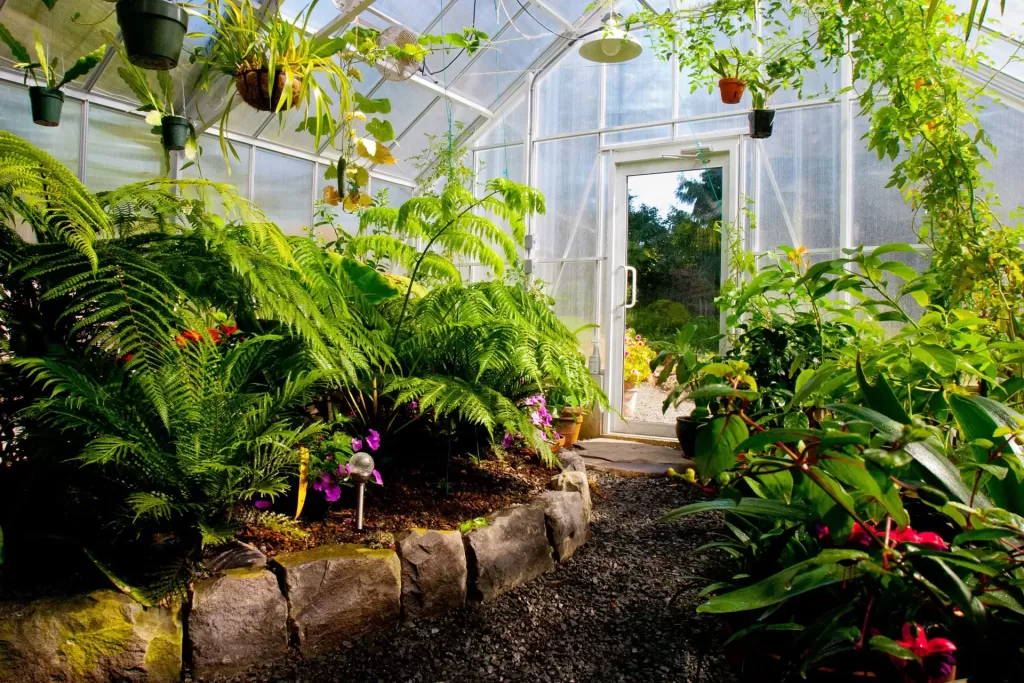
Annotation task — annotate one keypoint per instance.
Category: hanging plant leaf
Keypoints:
(383, 131)
(368, 106)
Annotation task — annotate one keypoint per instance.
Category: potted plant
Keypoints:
(679, 359)
(176, 132)
(46, 96)
(153, 32)
(570, 415)
(636, 369)
(729, 65)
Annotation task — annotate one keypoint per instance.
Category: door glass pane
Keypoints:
(675, 246)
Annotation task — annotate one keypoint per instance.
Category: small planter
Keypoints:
(732, 90)
(175, 131)
(569, 426)
(46, 105)
(629, 400)
(253, 86)
(153, 31)
(686, 432)
(761, 123)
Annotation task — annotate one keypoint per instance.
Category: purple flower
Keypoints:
(373, 440)
(507, 441)
(535, 418)
(357, 444)
(344, 470)
(413, 405)
(330, 458)
(332, 493)
(262, 504)
(376, 478)
(322, 481)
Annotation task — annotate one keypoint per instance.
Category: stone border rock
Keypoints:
(257, 611)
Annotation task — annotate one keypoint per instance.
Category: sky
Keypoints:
(655, 189)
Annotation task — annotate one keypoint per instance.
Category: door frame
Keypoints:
(677, 156)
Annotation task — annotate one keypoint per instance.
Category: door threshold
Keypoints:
(667, 442)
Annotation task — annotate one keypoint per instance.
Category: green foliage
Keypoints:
(23, 61)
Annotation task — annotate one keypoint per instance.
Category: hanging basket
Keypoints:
(761, 123)
(252, 85)
(732, 90)
(174, 132)
(153, 32)
(46, 105)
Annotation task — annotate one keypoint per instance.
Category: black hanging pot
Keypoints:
(153, 31)
(761, 122)
(175, 131)
(46, 105)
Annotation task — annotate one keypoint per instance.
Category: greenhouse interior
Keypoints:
(511, 340)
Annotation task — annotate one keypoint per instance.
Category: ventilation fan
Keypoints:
(397, 69)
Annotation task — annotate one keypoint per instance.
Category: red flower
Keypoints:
(936, 655)
(927, 538)
(127, 357)
(179, 340)
(920, 645)
(228, 330)
(192, 335)
(214, 334)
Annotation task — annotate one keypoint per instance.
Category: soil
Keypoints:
(621, 610)
(419, 497)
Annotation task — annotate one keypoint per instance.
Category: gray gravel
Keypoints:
(649, 402)
(603, 616)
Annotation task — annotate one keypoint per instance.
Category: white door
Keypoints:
(667, 246)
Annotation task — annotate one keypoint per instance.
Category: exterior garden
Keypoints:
(325, 332)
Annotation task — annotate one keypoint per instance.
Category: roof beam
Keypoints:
(453, 96)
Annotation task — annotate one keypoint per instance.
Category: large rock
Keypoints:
(339, 592)
(566, 522)
(574, 482)
(433, 572)
(510, 551)
(238, 620)
(572, 462)
(234, 555)
(96, 638)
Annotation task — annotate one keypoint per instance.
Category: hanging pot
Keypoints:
(153, 31)
(732, 90)
(46, 105)
(175, 131)
(761, 122)
(252, 85)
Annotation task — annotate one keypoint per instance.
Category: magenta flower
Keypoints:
(344, 470)
(373, 440)
(332, 493)
(262, 504)
(330, 458)
(322, 481)
(377, 478)
(535, 418)
(413, 405)
(507, 441)
(357, 444)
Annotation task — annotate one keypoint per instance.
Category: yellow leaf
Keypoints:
(303, 479)
(362, 177)
(153, 118)
(374, 151)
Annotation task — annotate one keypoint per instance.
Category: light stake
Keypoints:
(361, 468)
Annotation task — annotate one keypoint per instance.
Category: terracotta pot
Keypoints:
(732, 90)
(629, 400)
(569, 427)
(252, 85)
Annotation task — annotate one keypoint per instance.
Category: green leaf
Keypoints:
(19, 51)
(892, 648)
(880, 397)
(900, 270)
(938, 359)
(892, 248)
(373, 285)
(946, 580)
(722, 391)
(771, 436)
(747, 507)
(978, 418)
(83, 66)
(50, 4)
(381, 130)
(829, 567)
(983, 535)
(368, 106)
(810, 381)
(716, 442)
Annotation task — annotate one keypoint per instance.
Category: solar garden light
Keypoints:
(361, 469)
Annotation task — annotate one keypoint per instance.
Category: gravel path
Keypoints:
(603, 616)
(649, 402)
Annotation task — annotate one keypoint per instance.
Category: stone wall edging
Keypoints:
(266, 614)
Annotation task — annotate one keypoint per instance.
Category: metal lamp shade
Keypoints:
(611, 46)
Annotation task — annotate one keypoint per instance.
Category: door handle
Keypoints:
(632, 298)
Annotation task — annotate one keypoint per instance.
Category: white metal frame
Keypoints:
(721, 151)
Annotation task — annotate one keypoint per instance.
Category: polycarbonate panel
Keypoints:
(435, 121)
(323, 13)
(567, 175)
(573, 285)
(800, 180)
(879, 213)
(695, 129)
(506, 128)
(121, 149)
(396, 194)
(1004, 125)
(283, 188)
(62, 38)
(498, 67)
(569, 97)
(639, 91)
(570, 10)
(822, 83)
(407, 99)
(444, 66)
(500, 162)
(638, 135)
(61, 141)
(212, 167)
(416, 15)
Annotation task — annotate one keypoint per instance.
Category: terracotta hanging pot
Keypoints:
(252, 85)
(732, 90)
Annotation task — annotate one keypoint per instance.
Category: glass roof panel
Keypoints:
(324, 12)
(415, 15)
(433, 122)
(407, 101)
(61, 37)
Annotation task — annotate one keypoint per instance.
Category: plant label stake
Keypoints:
(361, 468)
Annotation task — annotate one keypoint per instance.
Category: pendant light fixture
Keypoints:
(610, 44)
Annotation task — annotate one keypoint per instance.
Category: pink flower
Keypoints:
(322, 481)
(928, 539)
(261, 504)
(344, 470)
(377, 478)
(357, 444)
(332, 493)
(373, 440)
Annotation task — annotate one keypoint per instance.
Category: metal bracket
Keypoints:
(528, 266)
(528, 242)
